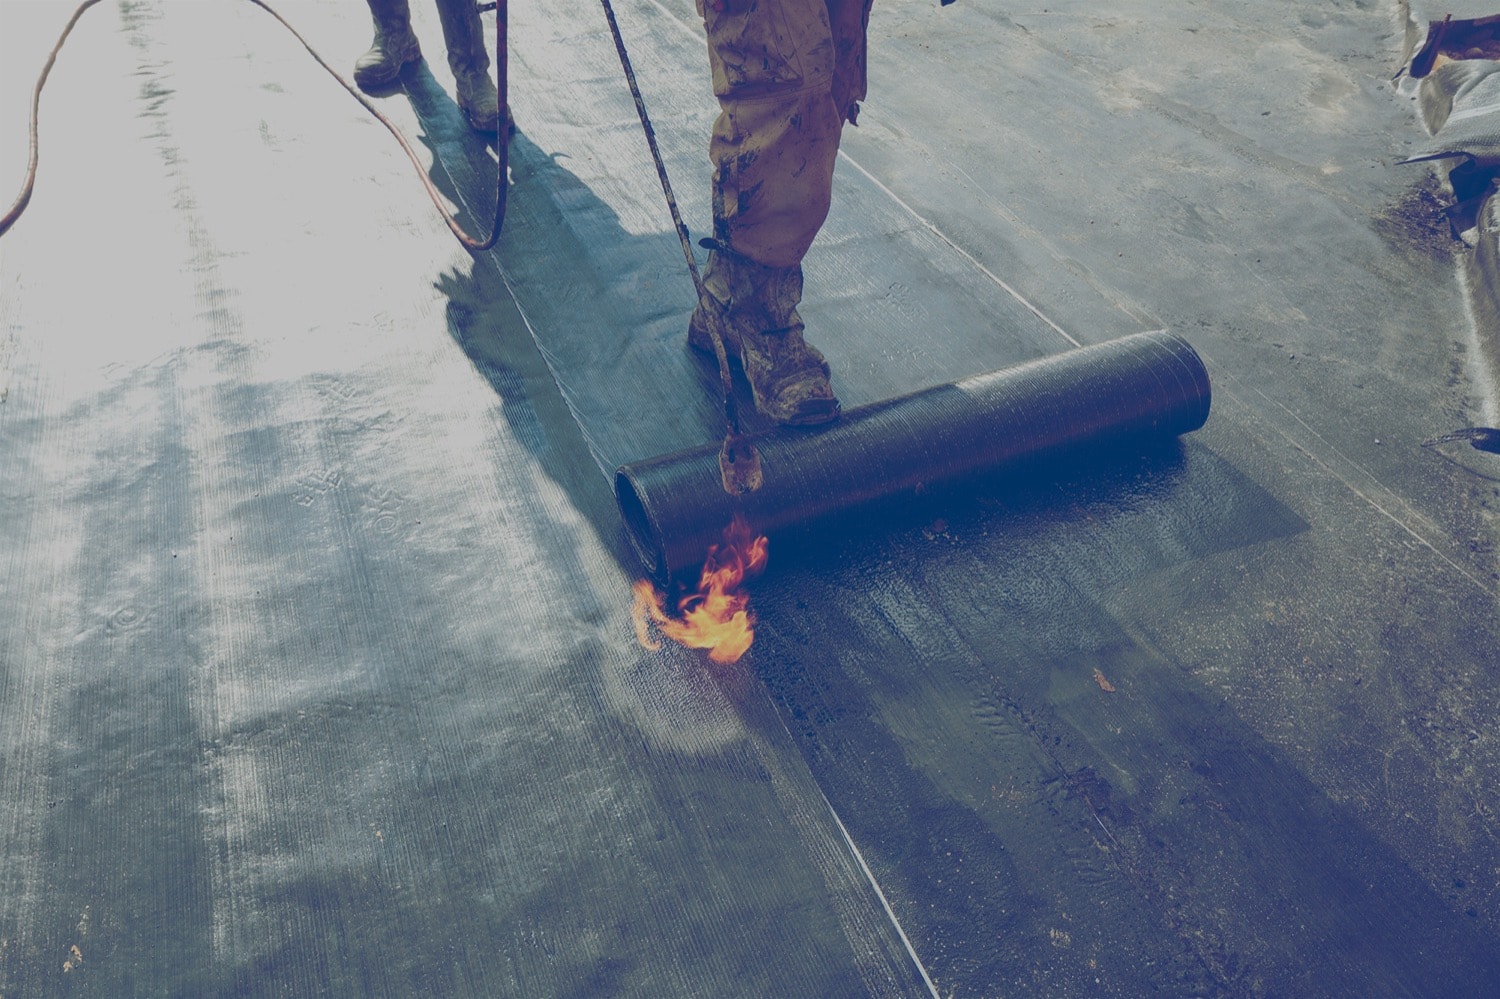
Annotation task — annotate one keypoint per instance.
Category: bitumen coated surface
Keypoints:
(316, 669)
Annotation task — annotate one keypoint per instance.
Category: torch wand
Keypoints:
(739, 463)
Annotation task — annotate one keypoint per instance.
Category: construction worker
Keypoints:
(395, 46)
(788, 74)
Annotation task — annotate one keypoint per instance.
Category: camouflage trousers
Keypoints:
(788, 74)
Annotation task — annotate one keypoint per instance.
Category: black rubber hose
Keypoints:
(1151, 384)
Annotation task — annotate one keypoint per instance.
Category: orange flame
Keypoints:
(717, 617)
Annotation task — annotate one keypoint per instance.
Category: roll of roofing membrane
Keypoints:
(1148, 384)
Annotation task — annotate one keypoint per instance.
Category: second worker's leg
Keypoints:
(394, 45)
(470, 61)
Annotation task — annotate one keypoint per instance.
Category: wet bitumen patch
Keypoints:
(1420, 219)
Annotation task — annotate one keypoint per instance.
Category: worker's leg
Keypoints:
(394, 45)
(470, 62)
(773, 148)
(777, 134)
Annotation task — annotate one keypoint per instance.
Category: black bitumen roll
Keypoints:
(1148, 384)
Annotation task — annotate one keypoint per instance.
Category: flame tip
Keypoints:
(717, 616)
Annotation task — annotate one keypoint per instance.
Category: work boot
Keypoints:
(394, 47)
(757, 310)
(470, 63)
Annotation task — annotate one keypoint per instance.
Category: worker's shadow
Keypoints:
(548, 320)
(483, 316)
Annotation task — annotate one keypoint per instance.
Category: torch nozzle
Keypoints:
(739, 466)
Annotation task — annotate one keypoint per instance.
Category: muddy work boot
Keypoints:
(757, 309)
(470, 62)
(394, 47)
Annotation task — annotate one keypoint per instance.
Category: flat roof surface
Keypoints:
(317, 674)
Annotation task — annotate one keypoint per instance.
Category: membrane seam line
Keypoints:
(884, 902)
(926, 222)
(932, 228)
(1348, 484)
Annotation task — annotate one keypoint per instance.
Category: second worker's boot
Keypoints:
(757, 310)
(394, 47)
(470, 63)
